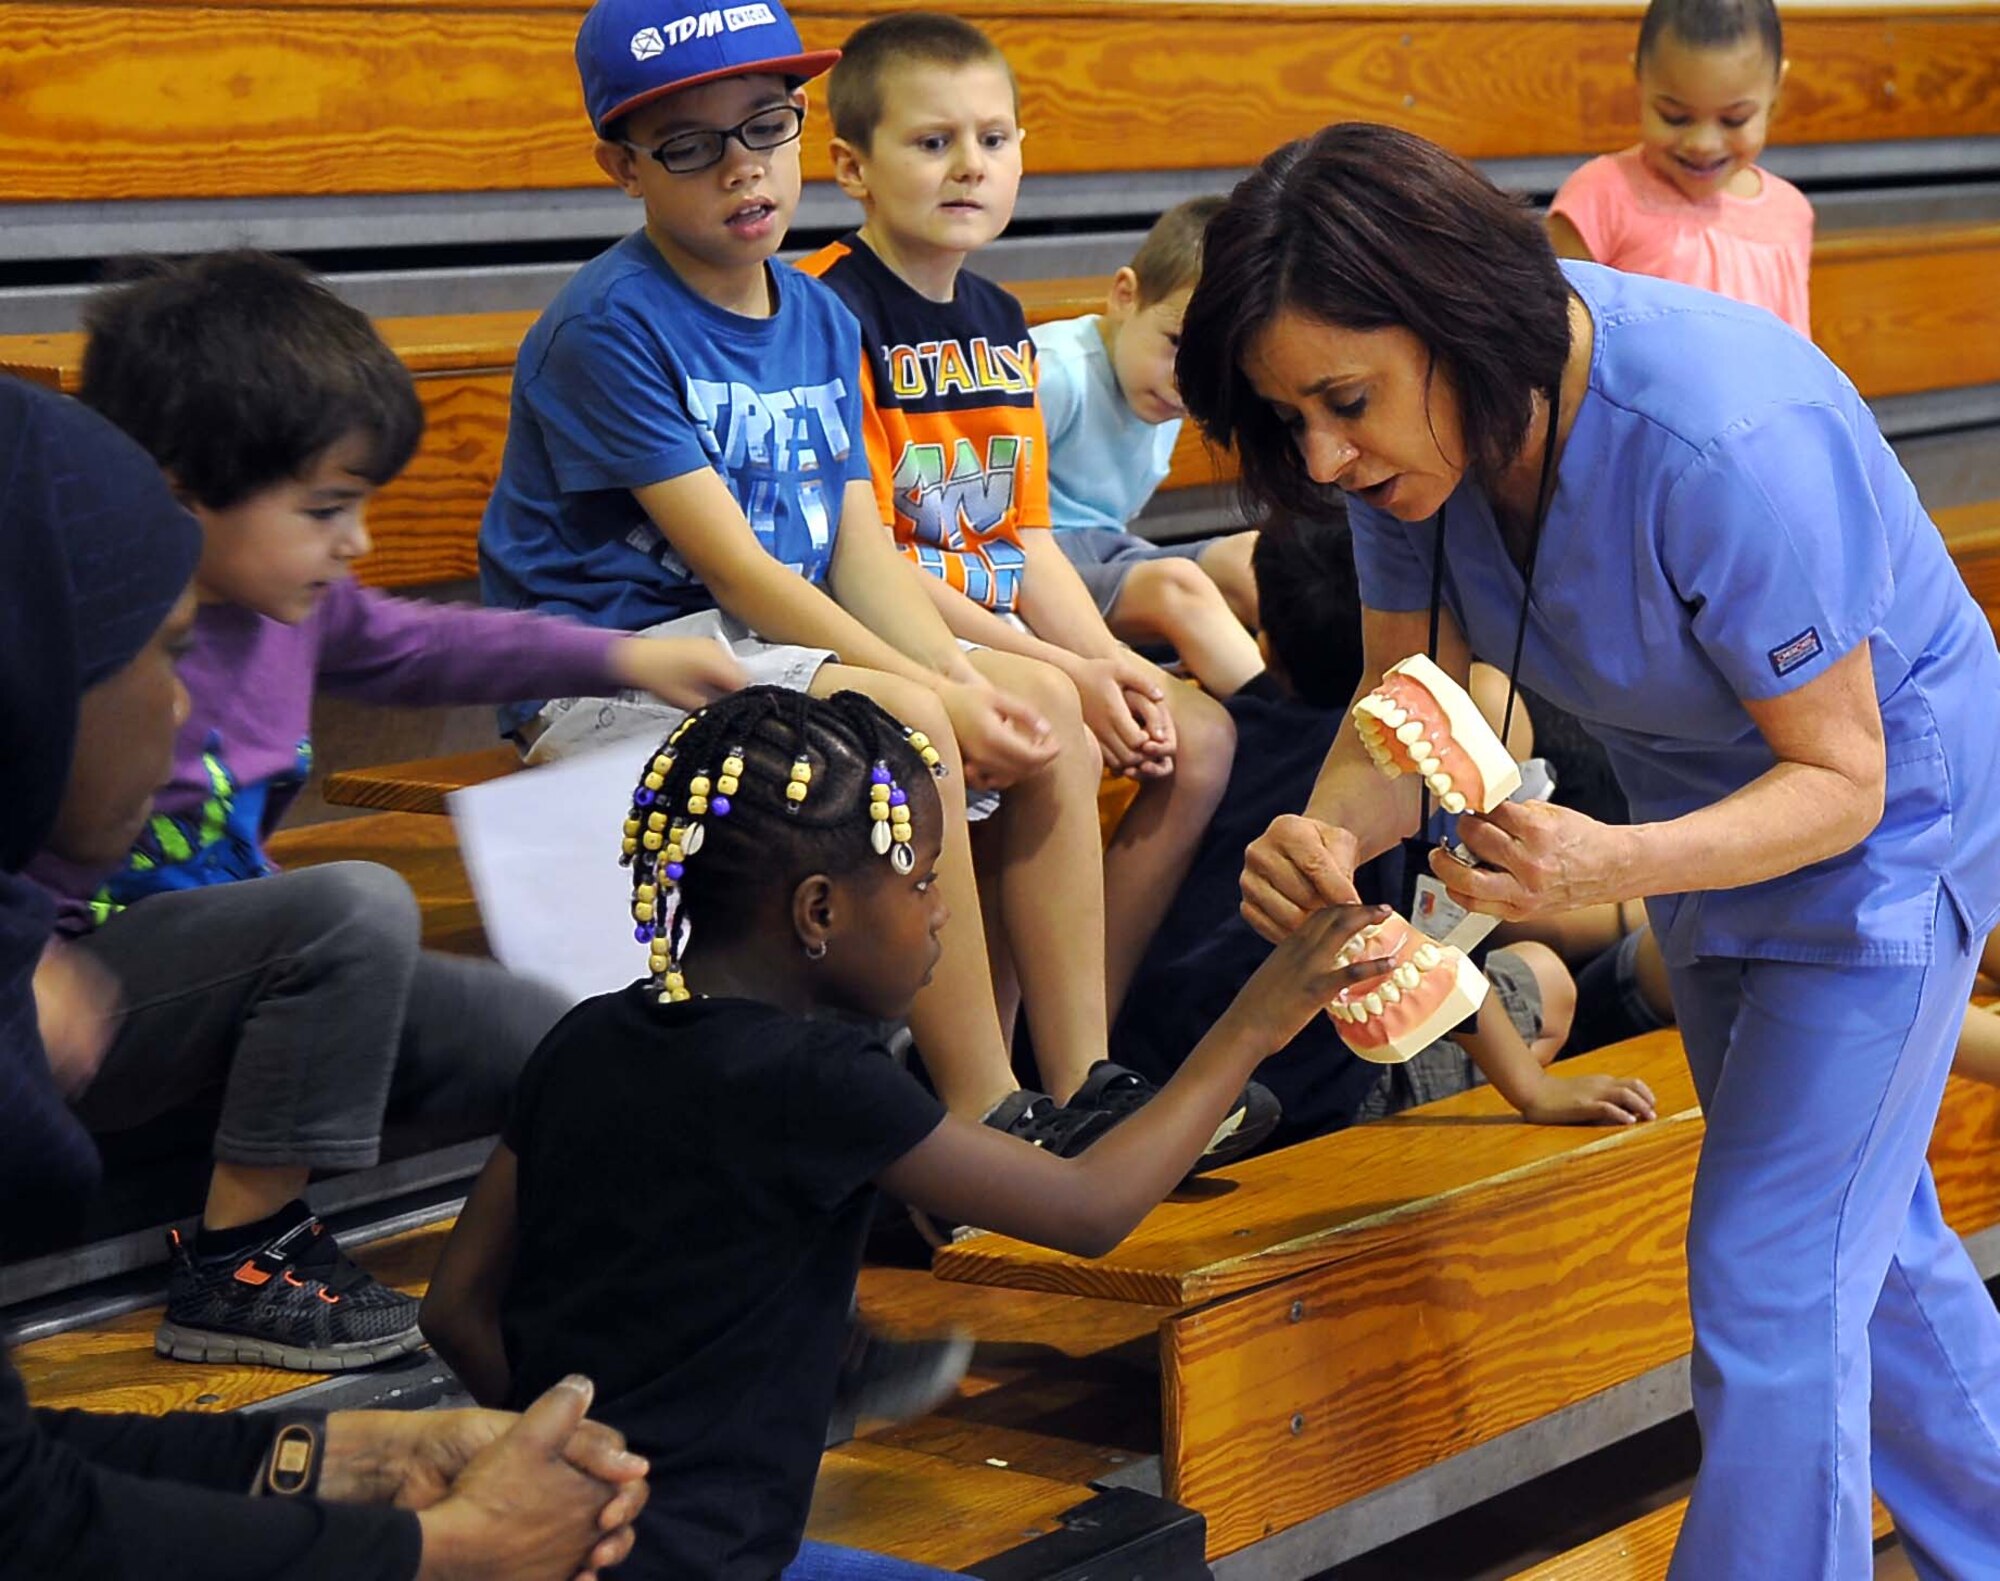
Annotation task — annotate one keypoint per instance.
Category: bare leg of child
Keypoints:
(1989, 959)
(1155, 843)
(241, 1194)
(988, 857)
(954, 1020)
(1488, 688)
(1044, 849)
(1581, 935)
(1227, 562)
(1978, 1053)
(1558, 994)
(1170, 601)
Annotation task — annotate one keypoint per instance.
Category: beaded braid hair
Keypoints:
(764, 786)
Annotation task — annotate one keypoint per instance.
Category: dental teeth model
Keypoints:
(1430, 990)
(1421, 721)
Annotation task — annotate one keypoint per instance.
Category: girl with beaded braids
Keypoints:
(784, 853)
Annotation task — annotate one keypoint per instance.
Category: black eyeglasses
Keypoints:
(686, 152)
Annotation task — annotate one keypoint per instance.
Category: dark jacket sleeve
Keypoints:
(165, 1499)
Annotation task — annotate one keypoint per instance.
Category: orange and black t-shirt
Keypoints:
(955, 439)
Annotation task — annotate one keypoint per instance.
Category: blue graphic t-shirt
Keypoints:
(629, 379)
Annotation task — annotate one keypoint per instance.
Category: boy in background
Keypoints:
(1113, 415)
(928, 141)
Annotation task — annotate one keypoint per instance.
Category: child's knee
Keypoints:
(1555, 985)
(1179, 593)
(1043, 688)
(1206, 733)
(360, 910)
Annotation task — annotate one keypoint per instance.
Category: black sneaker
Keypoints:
(1114, 1092)
(897, 1379)
(295, 1302)
(1063, 1129)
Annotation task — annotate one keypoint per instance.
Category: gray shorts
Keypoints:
(570, 725)
(1104, 557)
(1444, 1068)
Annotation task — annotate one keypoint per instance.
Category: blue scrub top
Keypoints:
(1727, 522)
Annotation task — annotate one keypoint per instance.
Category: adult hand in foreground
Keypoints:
(1294, 868)
(1542, 859)
(522, 1510)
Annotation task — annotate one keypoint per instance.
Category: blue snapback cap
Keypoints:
(630, 52)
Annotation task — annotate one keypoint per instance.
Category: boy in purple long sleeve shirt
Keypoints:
(296, 1013)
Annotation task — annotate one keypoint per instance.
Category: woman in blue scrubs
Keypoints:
(1673, 517)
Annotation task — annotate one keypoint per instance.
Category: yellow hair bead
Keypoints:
(662, 763)
(631, 825)
(919, 740)
(642, 911)
(675, 853)
(631, 845)
(656, 820)
(646, 892)
(802, 773)
(654, 782)
(796, 791)
(697, 804)
(732, 766)
(727, 784)
(651, 839)
(699, 786)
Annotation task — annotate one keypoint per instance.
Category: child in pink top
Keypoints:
(1689, 202)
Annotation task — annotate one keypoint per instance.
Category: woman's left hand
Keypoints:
(412, 1458)
(1539, 859)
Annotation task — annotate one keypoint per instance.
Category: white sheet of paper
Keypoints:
(541, 849)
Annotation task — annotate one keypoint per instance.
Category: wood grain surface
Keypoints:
(1502, 1307)
(932, 1511)
(233, 100)
(1356, 1194)
(1900, 315)
(420, 784)
(1639, 1550)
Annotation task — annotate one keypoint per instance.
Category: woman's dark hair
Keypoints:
(760, 845)
(1309, 606)
(1711, 24)
(1366, 227)
(239, 370)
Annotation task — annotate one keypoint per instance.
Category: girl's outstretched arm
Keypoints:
(971, 1174)
(461, 1311)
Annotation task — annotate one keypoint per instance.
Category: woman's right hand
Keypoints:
(1299, 978)
(1294, 868)
(522, 1510)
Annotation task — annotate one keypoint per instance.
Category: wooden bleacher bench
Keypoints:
(422, 849)
(1636, 1551)
(363, 96)
(1354, 1310)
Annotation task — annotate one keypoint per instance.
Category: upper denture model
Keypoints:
(1421, 721)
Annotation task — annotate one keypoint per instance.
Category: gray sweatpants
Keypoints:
(303, 1011)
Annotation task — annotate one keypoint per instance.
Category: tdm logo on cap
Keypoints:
(651, 41)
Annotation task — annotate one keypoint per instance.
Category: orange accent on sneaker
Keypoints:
(328, 1297)
(250, 1274)
(294, 1280)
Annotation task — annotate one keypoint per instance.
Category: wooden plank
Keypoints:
(423, 850)
(1639, 1550)
(1332, 1200)
(235, 99)
(932, 1511)
(1965, 1155)
(421, 784)
(1501, 1306)
(1900, 316)
(1972, 534)
(112, 1367)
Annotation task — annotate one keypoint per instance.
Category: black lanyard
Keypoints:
(1544, 491)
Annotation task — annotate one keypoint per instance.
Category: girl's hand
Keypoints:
(1299, 979)
(689, 672)
(1293, 869)
(1146, 694)
(76, 1002)
(1590, 1100)
(1547, 859)
(1124, 737)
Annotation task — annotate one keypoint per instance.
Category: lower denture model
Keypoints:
(1431, 988)
(1420, 721)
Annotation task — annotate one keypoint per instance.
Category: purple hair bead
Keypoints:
(719, 805)
(674, 871)
(879, 774)
(642, 797)
(897, 798)
(643, 932)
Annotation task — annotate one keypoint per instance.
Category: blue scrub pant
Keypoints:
(825, 1562)
(1841, 1334)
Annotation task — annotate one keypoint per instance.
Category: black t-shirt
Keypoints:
(695, 1183)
